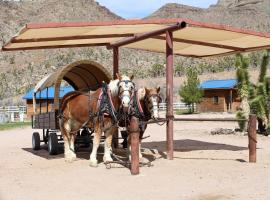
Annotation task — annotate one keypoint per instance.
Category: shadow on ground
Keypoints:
(192, 145)
(151, 150)
(82, 153)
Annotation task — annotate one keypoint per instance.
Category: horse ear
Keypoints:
(158, 89)
(141, 93)
(132, 77)
(118, 76)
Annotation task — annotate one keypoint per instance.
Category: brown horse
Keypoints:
(84, 110)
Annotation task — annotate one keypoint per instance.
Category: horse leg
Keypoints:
(69, 154)
(69, 139)
(108, 145)
(72, 146)
(96, 142)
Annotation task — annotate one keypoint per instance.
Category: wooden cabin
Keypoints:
(44, 100)
(219, 96)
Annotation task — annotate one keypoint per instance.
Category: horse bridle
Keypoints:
(147, 102)
(120, 92)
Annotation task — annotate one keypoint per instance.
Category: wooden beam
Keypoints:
(6, 48)
(143, 36)
(74, 37)
(202, 43)
(169, 93)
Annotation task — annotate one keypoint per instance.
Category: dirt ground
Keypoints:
(205, 167)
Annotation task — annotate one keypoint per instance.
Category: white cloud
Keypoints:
(142, 8)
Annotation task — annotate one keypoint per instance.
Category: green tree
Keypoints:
(179, 70)
(157, 70)
(190, 91)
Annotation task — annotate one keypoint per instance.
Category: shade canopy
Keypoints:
(194, 39)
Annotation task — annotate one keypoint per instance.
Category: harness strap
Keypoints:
(105, 105)
(139, 103)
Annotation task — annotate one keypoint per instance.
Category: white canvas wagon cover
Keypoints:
(82, 75)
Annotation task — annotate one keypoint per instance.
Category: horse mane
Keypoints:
(141, 93)
(113, 86)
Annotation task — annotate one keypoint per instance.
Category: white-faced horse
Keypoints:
(97, 111)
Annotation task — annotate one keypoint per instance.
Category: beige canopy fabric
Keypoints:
(197, 39)
(82, 75)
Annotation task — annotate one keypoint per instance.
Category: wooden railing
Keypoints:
(176, 106)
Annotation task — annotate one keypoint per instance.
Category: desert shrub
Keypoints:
(240, 115)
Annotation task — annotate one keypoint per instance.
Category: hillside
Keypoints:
(248, 14)
(20, 71)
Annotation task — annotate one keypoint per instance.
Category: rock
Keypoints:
(223, 131)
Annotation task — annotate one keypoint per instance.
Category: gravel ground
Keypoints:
(205, 167)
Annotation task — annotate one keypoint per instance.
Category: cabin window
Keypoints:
(215, 99)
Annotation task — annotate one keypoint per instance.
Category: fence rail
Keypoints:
(176, 106)
(13, 109)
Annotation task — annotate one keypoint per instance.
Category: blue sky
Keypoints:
(143, 8)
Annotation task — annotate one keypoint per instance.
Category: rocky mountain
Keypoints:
(20, 71)
(248, 14)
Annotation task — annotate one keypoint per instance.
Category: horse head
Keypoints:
(126, 90)
(151, 99)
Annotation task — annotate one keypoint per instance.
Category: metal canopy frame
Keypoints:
(165, 34)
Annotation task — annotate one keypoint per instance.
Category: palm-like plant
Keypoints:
(243, 84)
(260, 100)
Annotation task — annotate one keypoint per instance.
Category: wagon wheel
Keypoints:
(35, 141)
(53, 144)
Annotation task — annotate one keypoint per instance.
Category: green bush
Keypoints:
(241, 116)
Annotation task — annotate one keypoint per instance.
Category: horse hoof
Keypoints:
(93, 164)
(107, 159)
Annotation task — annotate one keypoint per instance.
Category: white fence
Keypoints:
(12, 113)
(13, 109)
(176, 106)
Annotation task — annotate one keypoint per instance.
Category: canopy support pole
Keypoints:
(115, 61)
(169, 93)
(115, 71)
(134, 144)
(252, 138)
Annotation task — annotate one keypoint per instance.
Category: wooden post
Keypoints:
(169, 93)
(115, 61)
(231, 100)
(134, 136)
(115, 71)
(252, 138)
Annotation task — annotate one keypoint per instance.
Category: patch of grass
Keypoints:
(183, 112)
(12, 125)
